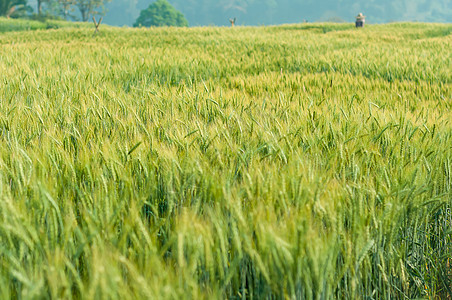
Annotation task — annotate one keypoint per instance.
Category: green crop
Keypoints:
(300, 161)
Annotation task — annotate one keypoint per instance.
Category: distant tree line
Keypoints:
(64, 9)
(264, 12)
(247, 12)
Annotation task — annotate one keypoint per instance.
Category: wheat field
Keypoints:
(309, 161)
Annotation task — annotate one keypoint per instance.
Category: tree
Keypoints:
(60, 8)
(65, 7)
(8, 7)
(161, 13)
(40, 2)
(90, 7)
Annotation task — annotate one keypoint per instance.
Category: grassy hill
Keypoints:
(296, 161)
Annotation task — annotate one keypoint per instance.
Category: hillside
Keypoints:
(308, 161)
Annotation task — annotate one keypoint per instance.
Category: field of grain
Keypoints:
(305, 161)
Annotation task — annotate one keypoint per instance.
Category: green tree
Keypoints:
(60, 8)
(40, 3)
(65, 7)
(161, 13)
(90, 7)
(8, 7)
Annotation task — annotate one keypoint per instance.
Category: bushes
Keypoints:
(20, 25)
(8, 25)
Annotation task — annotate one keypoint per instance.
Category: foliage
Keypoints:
(304, 162)
(160, 13)
(10, 7)
(62, 8)
(66, 8)
(40, 4)
(259, 12)
(89, 8)
(8, 25)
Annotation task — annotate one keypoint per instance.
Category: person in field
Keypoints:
(360, 19)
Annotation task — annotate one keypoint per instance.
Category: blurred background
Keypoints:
(267, 12)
